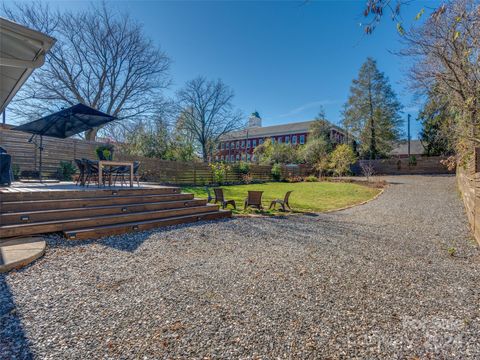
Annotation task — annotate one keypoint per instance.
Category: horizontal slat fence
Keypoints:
(401, 166)
(27, 156)
(191, 173)
(468, 180)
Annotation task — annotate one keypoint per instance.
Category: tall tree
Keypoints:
(445, 51)
(436, 116)
(206, 112)
(372, 112)
(102, 59)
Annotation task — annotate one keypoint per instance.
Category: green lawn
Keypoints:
(306, 196)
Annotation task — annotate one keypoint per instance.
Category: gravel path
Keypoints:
(373, 281)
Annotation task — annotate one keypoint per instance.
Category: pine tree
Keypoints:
(372, 112)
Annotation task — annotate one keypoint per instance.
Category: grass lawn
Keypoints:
(306, 196)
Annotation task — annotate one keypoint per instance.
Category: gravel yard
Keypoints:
(373, 281)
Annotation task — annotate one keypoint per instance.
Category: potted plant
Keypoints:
(105, 152)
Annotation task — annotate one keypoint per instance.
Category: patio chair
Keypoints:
(209, 195)
(124, 171)
(81, 168)
(90, 172)
(254, 199)
(283, 203)
(219, 197)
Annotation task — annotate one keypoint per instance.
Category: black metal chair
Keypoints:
(123, 171)
(90, 171)
(81, 168)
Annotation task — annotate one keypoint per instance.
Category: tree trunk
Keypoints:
(373, 145)
(204, 153)
(91, 134)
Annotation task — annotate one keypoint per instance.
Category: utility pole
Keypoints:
(408, 134)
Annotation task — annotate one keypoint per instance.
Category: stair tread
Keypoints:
(100, 207)
(100, 217)
(91, 198)
(219, 211)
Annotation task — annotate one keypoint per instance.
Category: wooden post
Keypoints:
(194, 174)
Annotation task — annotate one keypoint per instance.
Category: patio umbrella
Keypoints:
(65, 123)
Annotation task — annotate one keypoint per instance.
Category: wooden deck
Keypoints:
(91, 212)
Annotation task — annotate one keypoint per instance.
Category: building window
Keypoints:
(254, 142)
(248, 144)
(221, 158)
(238, 144)
(216, 157)
(294, 139)
(287, 139)
(279, 139)
(248, 157)
(260, 141)
(232, 158)
(302, 139)
(273, 140)
(243, 144)
(244, 157)
(232, 145)
(222, 146)
(238, 157)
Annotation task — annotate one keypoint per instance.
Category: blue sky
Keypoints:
(284, 59)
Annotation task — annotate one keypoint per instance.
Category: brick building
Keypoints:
(239, 145)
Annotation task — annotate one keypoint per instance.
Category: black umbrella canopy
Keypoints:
(67, 122)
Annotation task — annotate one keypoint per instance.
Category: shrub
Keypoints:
(16, 171)
(276, 172)
(311, 178)
(66, 171)
(247, 178)
(341, 159)
(412, 160)
(105, 152)
(219, 171)
(367, 169)
(243, 167)
(294, 179)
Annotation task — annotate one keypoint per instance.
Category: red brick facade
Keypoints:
(241, 147)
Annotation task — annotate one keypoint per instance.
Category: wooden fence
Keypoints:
(468, 180)
(26, 155)
(197, 173)
(402, 166)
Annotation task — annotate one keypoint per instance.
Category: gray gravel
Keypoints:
(374, 281)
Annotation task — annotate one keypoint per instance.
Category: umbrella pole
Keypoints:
(40, 160)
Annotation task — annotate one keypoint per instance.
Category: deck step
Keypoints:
(101, 231)
(55, 204)
(83, 193)
(97, 221)
(30, 217)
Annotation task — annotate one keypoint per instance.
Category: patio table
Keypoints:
(103, 163)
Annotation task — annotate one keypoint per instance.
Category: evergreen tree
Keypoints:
(437, 136)
(372, 112)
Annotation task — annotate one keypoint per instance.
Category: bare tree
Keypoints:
(102, 59)
(207, 113)
(446, 52)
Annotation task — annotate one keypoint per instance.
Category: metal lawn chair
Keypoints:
(283, 203)
(254, 199)
(220, 198)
